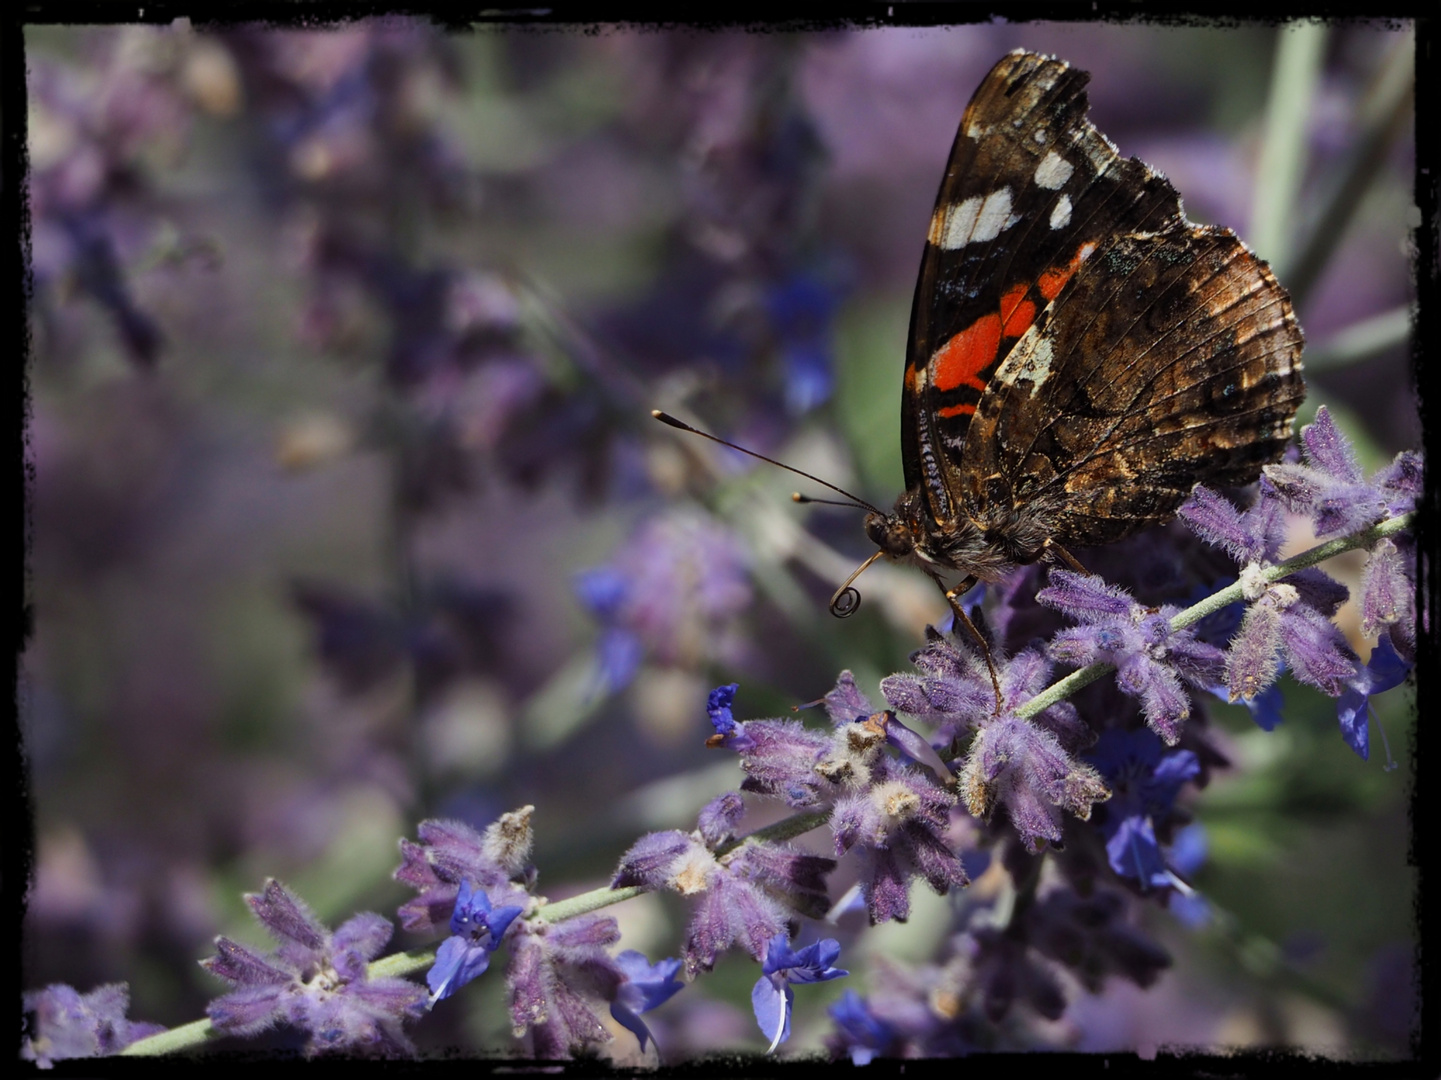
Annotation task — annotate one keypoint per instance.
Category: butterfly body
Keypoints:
(1080, 354)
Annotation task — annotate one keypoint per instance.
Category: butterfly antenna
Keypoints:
(846, 601)
(856, 500)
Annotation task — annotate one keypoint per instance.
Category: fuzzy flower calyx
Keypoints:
(314, 980)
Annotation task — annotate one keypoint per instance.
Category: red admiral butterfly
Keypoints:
(1080, 354)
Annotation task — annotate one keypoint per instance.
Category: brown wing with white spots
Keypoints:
(1031, 190)
(1169, 358)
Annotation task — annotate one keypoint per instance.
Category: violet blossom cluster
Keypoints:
(1290, 621)
(479, 886)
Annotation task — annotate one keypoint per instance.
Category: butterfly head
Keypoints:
(891, 533)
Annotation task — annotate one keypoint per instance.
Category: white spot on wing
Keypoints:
(974, 220)
(1061, 213)
(1030, 361)
(1053, 171)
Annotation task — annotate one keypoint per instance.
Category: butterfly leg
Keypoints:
(953, 596)
(1053, 549)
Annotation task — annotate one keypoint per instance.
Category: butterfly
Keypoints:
(1080, 355)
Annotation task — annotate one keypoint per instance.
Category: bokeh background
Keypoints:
(347, 510)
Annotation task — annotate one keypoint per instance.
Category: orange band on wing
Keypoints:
(1017, 312)
(964, 409)
(960, 361)
(1053, 281)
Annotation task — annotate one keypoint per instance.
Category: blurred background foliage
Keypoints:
(347, 511)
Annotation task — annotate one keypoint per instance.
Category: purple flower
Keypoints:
(476, 930)
(1329, 487)
(772, 997)
(1385, 670)
(451, 852)
(1388, 596)
(1150, 658)
(780, 759)
(728, 733)
(745, 896)
(646, 986)
(1015, 764)
(314, 980)
(952, 693)
(1254, 536)
(62, 1023)
(1144, 784)
(1288, 619)
(894, 816)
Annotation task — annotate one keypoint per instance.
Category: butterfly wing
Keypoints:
(1168, 359)
(1160, 355)
(1031, 189)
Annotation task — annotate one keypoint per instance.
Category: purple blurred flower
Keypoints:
(1090, 936)
(1385, 670)
(772, 998)
(861, 1033)
(1004, 968)
(1188, 854)
(1150, 658)
(450, 853)
(314, 980)
(1144, 784)
(646, 986)
(477, 928)
(802, 312)
(62, 1023)
(672, 592)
